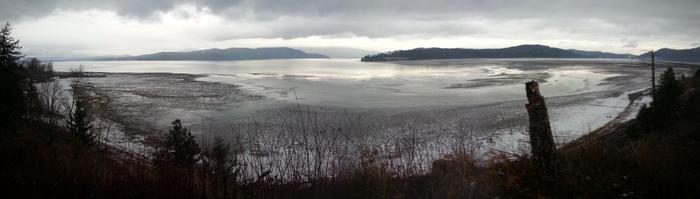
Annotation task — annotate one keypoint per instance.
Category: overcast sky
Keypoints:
(60, 28)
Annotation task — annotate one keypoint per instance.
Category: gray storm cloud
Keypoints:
(377, 18)
(624, 24)
(426, 10)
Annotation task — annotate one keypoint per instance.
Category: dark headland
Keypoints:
(522, 51)
(528, 51)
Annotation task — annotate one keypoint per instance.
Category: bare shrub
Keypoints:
(51, 97)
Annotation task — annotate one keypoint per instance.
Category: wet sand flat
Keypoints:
(372, 101)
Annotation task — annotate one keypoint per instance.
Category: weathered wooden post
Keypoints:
(544, 151)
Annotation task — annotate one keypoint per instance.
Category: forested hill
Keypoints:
(216, 54)
(522, 51)
(684, 55)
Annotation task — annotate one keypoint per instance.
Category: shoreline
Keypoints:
(609, 129)
(504, 141)
(146, 140)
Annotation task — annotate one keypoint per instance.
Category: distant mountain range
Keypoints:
(216, 54)
(338, 52)
(685, 55)
(522, 51)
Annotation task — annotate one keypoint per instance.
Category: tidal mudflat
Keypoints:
(428, 107)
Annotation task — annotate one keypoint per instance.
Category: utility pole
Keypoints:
(653, 77)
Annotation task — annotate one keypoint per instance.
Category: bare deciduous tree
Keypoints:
(50, 95)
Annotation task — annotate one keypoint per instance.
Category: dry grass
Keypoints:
(44, 163)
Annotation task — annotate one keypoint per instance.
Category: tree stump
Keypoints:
(544, 151)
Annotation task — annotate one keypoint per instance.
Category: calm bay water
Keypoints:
(351, 83)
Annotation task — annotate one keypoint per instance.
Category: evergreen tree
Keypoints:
(36, 71)
(33, 107)
(220, 155)
(12, 82)
(665, 106)
(669, 87)
(665, 109)
(79, 122)
(692, 110)
(222, 165)
(180, 146)
(9, 47)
